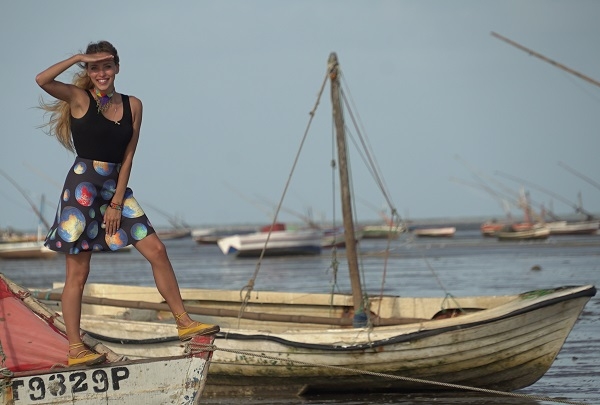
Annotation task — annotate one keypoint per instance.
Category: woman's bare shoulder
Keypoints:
(136, 103)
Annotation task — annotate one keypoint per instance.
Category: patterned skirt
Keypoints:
(78, 226)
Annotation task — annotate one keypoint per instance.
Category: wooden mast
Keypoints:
(351, 252)
(545, 59)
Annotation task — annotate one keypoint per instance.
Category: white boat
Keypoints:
(444, 232)
(34, 350)
(573, 228)
(382, 231)
(275, 243)
(535, 233)
(499, 342)
(25, 250)
(301, 343)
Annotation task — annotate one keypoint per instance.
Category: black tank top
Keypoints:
(98, 138)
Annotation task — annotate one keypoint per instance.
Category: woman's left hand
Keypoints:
(112, 221)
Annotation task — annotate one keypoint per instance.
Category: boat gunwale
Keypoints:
(589, 291)
(583, 291)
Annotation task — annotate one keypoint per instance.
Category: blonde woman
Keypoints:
(96, 210)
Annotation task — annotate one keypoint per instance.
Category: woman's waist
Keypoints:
(95, 161)
(86, 166)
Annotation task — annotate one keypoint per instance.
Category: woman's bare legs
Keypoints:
(78, 269)
(152, 248)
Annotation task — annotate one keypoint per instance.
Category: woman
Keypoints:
(97, 211)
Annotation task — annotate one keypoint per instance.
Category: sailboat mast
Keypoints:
(545, 59)
(351, 252)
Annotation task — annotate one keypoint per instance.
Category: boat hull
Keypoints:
(174, 380)
(446, 232)
(540, 233)
(574, 228)
(381, 231)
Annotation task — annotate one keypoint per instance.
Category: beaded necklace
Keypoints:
(103, 100)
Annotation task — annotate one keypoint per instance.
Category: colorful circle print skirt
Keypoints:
(89, 188)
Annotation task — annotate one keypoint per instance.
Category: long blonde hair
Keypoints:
(59, 123)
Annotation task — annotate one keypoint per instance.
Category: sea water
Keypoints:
(466, 264)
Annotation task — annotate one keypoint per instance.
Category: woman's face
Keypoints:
(103, 73)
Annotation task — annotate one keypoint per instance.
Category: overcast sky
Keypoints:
(227, 88)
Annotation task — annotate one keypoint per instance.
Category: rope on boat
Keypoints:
(247, 290)
(198, 347)
(5, 373)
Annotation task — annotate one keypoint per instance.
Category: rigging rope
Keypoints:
(372, 163)
(373, 167)
(249, 287)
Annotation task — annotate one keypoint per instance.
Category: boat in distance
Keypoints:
(25, 250)
(275, 243)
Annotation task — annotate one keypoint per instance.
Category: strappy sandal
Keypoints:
(85, 356)
(194, 328)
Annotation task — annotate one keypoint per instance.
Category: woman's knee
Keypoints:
(78, 268)
(152, 248)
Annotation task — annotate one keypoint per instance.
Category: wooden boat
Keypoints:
(303, 343)
(498, 342)
(574, 228)
(381, 231)
(538, 232)
(33, 349)
(279, 242)
(444, 232)
(25, 250)
(490, 228)
(9, 236)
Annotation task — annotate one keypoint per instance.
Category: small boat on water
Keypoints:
(573, 228)
(443, 232)
(535, 233)
(382, 231)
(491, 227)
(33, 348)
(276, 242)
(25, 250)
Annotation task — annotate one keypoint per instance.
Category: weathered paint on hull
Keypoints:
(511, 354)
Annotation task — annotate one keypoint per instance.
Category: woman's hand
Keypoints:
(112, 221)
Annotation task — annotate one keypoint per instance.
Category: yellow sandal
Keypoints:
(194, 328)
(85, 356)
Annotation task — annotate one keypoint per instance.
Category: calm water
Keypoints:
(464, 265)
